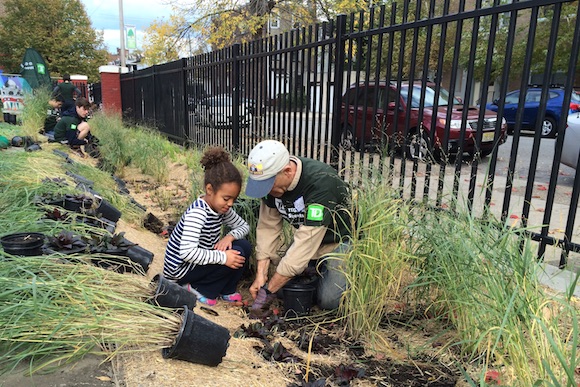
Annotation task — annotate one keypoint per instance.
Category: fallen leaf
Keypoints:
(514, 189)
(540, 210)
(492, 376)
(542, 188)
(536, 196)
(444, 205)
(104, 378)
(563, 173)
(514, 216)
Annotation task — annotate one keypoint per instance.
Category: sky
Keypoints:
(104, 15)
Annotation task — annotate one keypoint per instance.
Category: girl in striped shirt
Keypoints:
(197, 256)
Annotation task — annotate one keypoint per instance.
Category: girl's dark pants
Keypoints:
(215, 280)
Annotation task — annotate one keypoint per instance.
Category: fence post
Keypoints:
(185, 132)
(339, 64)
(236, 97)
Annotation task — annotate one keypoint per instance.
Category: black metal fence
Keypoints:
(373, 94)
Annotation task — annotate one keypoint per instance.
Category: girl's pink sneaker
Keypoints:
(234, 297)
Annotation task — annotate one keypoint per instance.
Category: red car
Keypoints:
(372, 107)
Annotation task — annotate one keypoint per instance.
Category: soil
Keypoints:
(311, 351)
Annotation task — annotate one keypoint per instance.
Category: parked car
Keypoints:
(551, 118)
(217, 112)
(571, 147)
(374, 105)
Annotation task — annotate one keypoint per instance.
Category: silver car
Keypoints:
(571, 147)
(218, 112)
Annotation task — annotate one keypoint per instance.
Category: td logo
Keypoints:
(315, 212)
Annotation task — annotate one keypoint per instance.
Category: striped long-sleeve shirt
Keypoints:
(193, 239)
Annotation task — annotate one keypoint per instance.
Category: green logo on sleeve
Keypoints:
(73, 126)
(315, 212)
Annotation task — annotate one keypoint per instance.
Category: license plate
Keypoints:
(488, 136)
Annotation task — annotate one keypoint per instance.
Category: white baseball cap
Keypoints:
(264, 162)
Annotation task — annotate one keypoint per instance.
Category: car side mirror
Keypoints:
(391, 105)
(495, 101)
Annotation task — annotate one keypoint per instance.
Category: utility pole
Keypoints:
(122, 28)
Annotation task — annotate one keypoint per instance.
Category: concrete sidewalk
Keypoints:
(559, 280)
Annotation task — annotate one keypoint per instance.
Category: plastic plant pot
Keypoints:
(140, 256)
(77, 203)
(199, 341)
(107, 210)
(80, 179)
(23, 244)
(172, 295)
(298, 299)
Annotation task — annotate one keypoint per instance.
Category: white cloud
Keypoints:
(104, 15)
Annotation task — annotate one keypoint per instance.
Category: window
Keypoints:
(274, 21)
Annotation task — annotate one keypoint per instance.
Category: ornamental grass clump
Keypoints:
(34, 111)
(377, 262)
(53, 312)
(481, 277)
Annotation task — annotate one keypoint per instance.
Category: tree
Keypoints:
(221, 23)
(163, 41)
(59, 30)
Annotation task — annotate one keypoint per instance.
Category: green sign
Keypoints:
(131, 37)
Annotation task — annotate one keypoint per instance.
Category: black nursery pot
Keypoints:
(140, 256)
(107, 210)
(77, 203)
(199, 341)
(23, 244)
(298, 299)
(171, 294)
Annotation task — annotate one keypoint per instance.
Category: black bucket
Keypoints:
(171, 294)
(23, 243)
(298, 299)
(198, 341)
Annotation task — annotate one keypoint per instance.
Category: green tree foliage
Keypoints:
(59, 30)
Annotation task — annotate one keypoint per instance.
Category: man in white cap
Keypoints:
(312, 197)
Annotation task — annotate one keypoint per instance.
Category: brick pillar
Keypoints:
(111, 88)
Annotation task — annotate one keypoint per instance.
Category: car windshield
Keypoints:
(429, 96)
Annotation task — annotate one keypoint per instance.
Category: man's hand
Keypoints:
(258, 283)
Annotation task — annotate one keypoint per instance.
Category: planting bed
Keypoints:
(313, 351)
(277, 353)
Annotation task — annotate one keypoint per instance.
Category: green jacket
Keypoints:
(67, 90)
(65, 123)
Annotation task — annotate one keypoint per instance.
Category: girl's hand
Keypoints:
(225, 243)
(234, 260)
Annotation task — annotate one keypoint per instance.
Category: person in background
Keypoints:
(69, 93)
(311, 196)
(74, 129)
(52, 115)
(67, 90)
(197, 256)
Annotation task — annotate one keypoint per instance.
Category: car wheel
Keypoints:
(417, 147)
(347, 139)
(549, 127)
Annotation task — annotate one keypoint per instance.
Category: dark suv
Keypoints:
(531, 107)
(372, 107)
